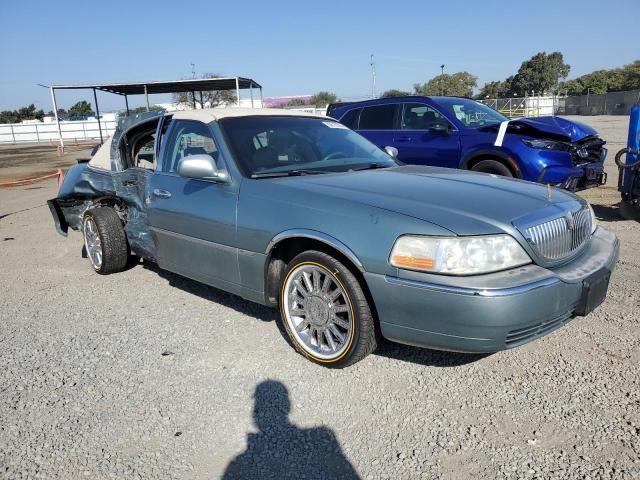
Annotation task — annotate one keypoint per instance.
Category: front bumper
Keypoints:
(486, 313)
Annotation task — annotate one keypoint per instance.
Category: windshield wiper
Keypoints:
(290, 173)
(371, 166)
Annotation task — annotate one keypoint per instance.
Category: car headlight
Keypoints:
(594, 220)
(546, 144)
(458, 255)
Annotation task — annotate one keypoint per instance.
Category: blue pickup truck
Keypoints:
(461, 133)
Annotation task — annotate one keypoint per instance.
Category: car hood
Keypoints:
(465, 203)
(556, 127)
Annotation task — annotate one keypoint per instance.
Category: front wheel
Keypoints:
(492, 166)
(325, 311)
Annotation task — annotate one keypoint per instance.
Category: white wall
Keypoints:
(44, 132)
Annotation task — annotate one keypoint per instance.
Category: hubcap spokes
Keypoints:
(318, 311)
(92, 243)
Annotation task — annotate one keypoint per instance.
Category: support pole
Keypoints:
(251, 93)
(193, 96)
(201, 100)
(261, 99)
(55, 112)
(237, 91)
(126, 102)
(95, 98)
(146, 96)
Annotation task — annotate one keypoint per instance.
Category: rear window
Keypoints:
(351, 118)
(379, 117)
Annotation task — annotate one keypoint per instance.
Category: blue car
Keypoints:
(461, 133)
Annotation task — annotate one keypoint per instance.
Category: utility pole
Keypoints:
(373, 77)
(442, 79)
(193, 70)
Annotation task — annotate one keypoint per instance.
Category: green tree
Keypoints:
(211, 99)
(630, 76)
(24, 113)
(541, 73)
(135, 111)
(460, 84)
(495, 89)
(81, 108)
(322, 99)
(395, 93)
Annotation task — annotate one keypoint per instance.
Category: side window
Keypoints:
(379, 117)
(350, 119)
(187, 137)
(417, 116)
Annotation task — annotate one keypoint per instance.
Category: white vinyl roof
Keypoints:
(212, 114)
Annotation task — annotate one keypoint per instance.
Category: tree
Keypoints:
(322, 99)
(395, 93)
(211, 99)
(81, 108)
(24, 113)
(459, 84)
(135, 111)
(541, 73)
(298, 102)
(495, 89)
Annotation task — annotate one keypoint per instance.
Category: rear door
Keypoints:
(193, 221)
(426, 137)
(377, 123)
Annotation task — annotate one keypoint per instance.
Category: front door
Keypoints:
(426, 137)
(193, 222)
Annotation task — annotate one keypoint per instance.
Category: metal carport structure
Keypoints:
(156, 87)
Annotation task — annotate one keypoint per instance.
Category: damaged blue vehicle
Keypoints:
(299, 212)
(457, 132)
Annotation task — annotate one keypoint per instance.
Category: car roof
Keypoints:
(213, 114)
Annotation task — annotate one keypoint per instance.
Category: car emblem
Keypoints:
(582, 152)
(571, 223)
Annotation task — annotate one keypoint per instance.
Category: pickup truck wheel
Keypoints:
(492, 166)
(104, 240)
(325, 311)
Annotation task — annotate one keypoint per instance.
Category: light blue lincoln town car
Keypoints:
(299, 212)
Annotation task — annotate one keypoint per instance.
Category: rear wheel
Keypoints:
(105, 241)
(325, 311)
(492, 166)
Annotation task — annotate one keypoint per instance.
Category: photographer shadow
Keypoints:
(281, 450)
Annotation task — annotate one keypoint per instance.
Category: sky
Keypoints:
(297, 47)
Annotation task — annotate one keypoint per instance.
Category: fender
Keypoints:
(490, 152)
(319, 236)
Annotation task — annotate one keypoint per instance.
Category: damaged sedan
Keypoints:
(299, 212)
(461, 133)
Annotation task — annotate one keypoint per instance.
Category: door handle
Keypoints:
(161, 193)
(130, 183)
(403, 138)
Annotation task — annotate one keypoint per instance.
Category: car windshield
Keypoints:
(268, 146)
(471, 114)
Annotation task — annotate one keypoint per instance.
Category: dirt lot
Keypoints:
(147, 375)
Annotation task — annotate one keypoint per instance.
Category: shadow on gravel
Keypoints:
(607, 213)
(212, 294)
(395, 351)
(426, 357)
(282, 450)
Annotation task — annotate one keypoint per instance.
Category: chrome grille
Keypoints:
(561, 237)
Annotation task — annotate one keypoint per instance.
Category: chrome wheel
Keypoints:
(92, 243)
(318, 311)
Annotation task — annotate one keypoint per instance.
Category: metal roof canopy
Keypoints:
(156, 87)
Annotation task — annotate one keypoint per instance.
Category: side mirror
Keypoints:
(439, 128)
(391, 151)
(202, 167)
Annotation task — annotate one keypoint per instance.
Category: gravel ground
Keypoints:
(146, 375)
